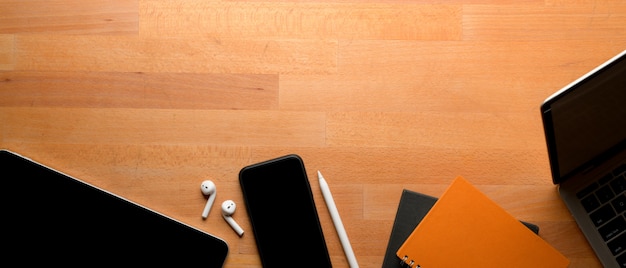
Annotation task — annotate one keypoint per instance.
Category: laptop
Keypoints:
(585, 131)
(51, 219)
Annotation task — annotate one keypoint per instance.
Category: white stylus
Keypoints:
(334, 214)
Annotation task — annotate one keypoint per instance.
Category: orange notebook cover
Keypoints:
(466, 229)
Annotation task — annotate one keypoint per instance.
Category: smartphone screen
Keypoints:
(282, 212)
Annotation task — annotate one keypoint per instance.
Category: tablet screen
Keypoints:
(51, 218)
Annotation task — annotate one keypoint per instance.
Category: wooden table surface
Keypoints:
(149, 98)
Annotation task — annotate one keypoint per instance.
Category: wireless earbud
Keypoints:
(228, 208)
(208, 188)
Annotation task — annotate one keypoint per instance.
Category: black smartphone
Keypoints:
(283, 215)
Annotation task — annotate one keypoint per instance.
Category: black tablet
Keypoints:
(50, 218)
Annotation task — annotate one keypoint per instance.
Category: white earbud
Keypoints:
(208, 188)
(228, 208)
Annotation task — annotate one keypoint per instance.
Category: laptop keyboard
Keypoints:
(605, 201)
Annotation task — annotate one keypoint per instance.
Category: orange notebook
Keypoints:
(466, 229)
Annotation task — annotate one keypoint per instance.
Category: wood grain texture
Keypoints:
(148, 98)
(140, 90)
(69, 17)
(301, 20)
(7, 52)
(100, 53)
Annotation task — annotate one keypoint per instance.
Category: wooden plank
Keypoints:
(536, 22)
(490, 91)
(175, 55)
(69, 16)
(416, 76)
(440, 129)
(162, 126)
(139, 90)
(430, 165)
(310, 20)
(487, 59)
(7, 52)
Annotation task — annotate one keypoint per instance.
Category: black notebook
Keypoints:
(412, 208)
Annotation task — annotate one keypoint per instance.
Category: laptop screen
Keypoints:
(52, 219)
(586, 123)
